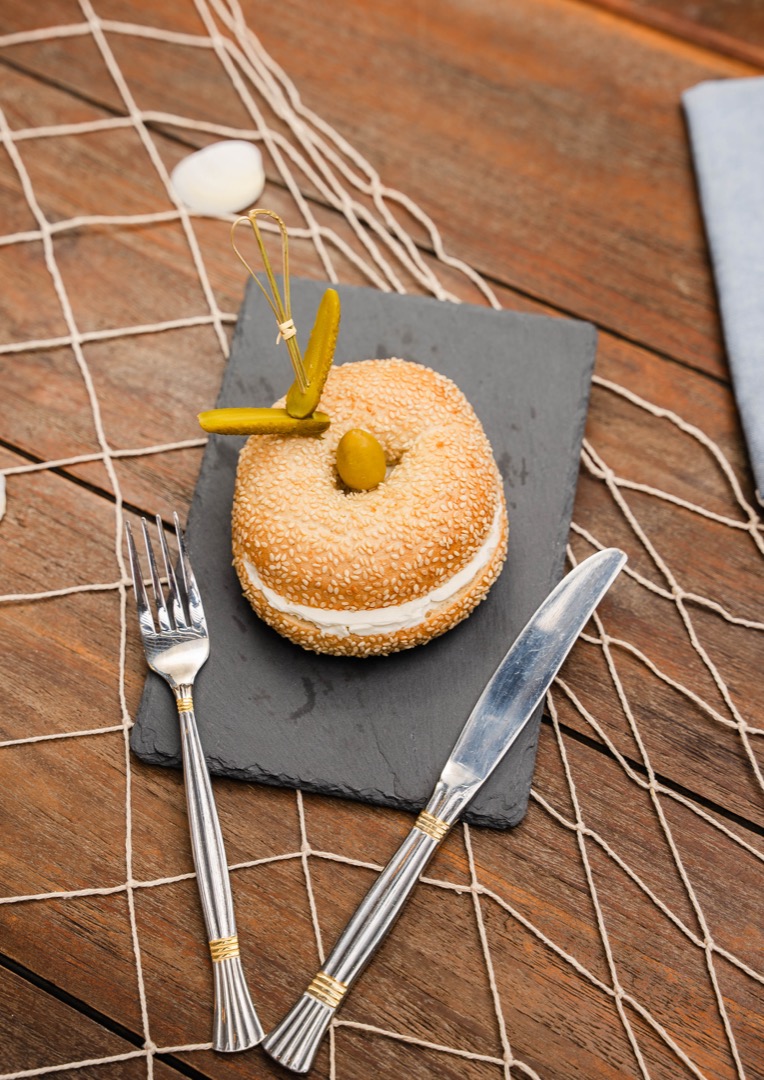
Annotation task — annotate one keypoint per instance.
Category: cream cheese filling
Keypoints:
(386, 620)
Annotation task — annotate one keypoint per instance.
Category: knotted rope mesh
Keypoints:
(372, 244)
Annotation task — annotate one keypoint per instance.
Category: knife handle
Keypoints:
(295, 1040)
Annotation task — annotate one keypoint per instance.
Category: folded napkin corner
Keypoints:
(726, 125)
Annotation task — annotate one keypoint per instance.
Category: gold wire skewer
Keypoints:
(282, 309)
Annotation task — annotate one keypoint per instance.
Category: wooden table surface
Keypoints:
(617, 932)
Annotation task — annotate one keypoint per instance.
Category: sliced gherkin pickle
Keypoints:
(318, 356)
(246, 421)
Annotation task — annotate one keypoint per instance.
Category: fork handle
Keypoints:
(236, 1024)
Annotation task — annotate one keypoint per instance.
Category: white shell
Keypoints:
(223, 178)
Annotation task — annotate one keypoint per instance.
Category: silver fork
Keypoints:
(176, 650)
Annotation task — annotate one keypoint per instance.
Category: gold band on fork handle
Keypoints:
(224, 948)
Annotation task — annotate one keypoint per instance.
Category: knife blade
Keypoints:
(502, 711)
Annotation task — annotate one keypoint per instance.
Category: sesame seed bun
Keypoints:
(301, 540)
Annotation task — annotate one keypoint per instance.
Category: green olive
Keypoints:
(245, 421)
(360, 460)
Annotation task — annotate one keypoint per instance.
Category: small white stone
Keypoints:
(223, 178)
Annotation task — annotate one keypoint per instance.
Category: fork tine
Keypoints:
(193, 596)
(178, 614)
(141, 599)
(162, 612)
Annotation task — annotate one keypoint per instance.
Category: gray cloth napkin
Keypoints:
(726, 122)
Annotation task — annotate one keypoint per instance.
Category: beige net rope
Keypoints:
(307, 153)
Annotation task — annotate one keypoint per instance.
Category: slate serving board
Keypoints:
(380, 729)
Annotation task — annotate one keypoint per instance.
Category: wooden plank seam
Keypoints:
(343, 179)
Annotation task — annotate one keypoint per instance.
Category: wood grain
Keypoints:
(732, 27)
(569, 116)
(648, 951)
(556, 125)
(412, 987)
(27, 1044)
(667, 459)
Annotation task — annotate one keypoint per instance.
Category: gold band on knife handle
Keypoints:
(433, 826)
(327, 989)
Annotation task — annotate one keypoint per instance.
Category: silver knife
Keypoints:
(505, 706)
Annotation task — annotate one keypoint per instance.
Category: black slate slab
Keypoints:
(380, 729)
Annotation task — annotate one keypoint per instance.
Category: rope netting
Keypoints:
(306, 153)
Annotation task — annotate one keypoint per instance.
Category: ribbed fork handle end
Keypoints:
(237, 1026)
